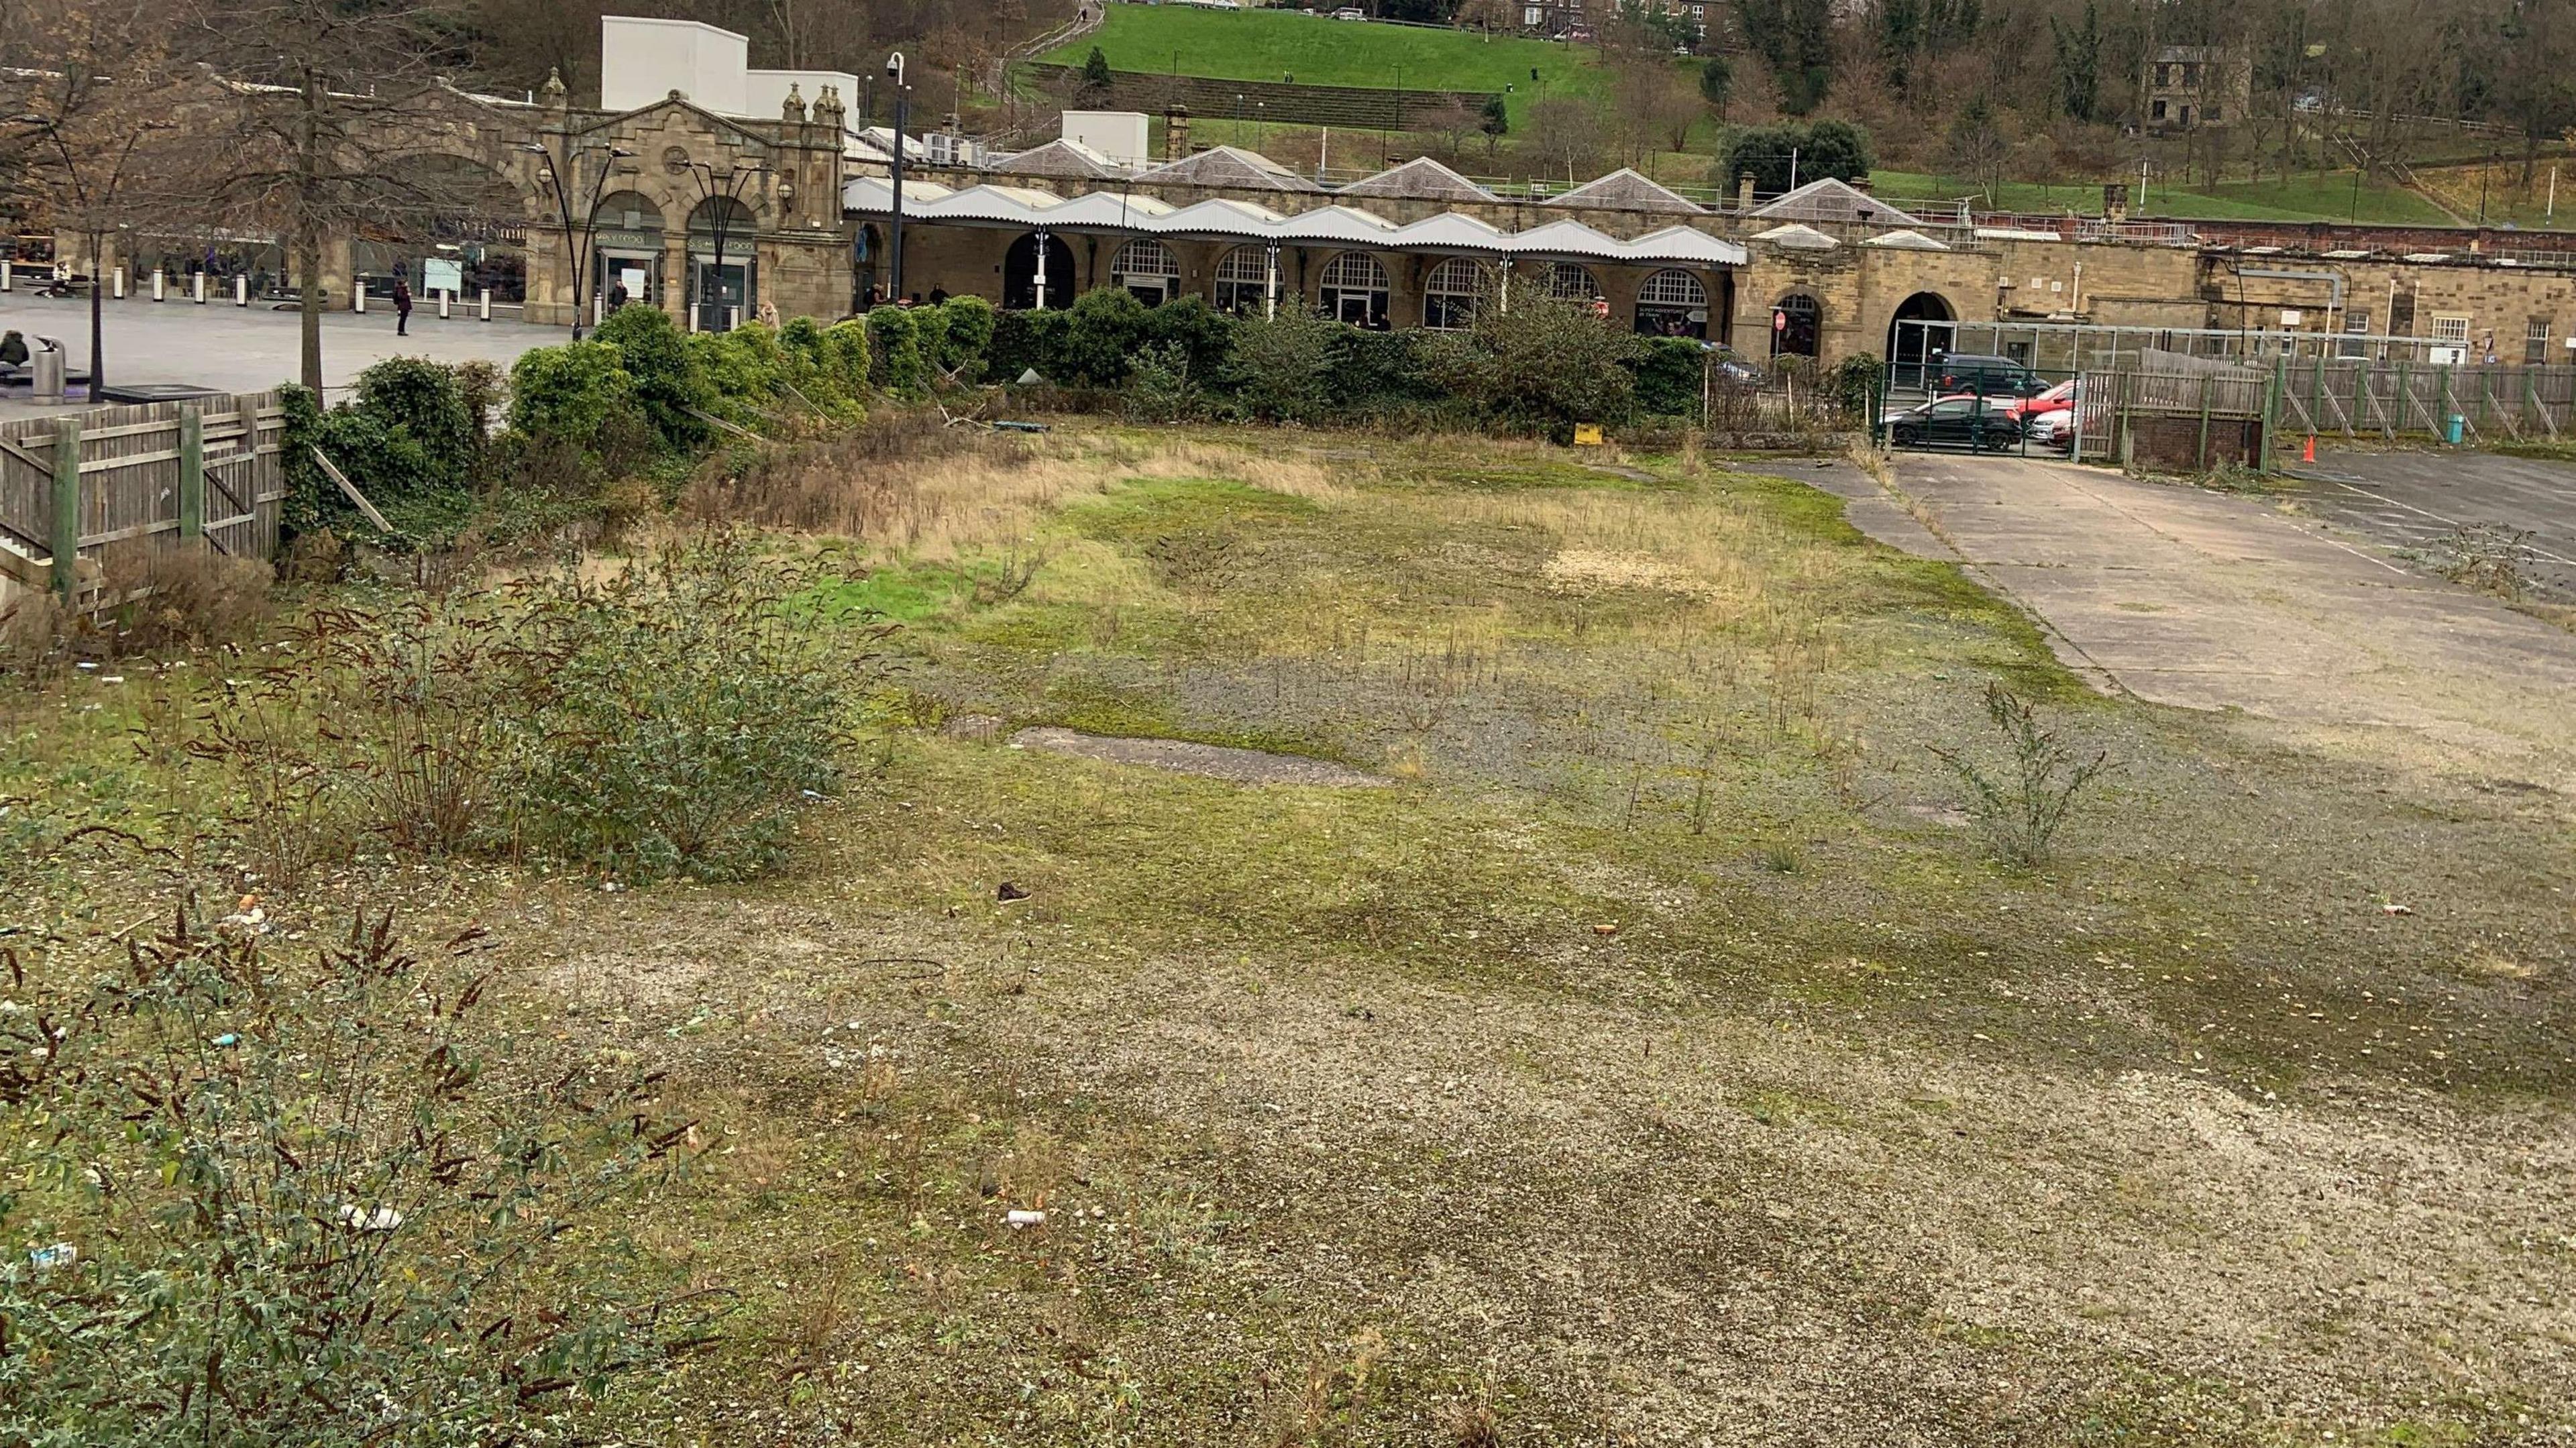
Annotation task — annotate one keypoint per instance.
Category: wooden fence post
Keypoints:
(192, 474)
(2273, 395)
(2206, 384)
(67, 507)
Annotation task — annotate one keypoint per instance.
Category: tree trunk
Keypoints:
(308, 259)
(308, 232)
(97, 320)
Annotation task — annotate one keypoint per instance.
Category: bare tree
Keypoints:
(324, 111)
(89, 130)
(1565, 136)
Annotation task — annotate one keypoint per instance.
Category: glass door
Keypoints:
(720, 293)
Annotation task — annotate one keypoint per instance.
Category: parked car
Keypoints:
(1964, 419)
(1989, 376)
(1350, 12)
(2054, 430)
(2060, 398)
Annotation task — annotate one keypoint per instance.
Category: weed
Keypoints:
(2021, 812)
(1783, 858)
(2489, 557)
(310, 1210)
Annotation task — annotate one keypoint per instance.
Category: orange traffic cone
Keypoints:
(2308, 454)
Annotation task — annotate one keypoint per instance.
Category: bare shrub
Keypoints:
(32, 626)
(300, 1205)
(183, 597)
(2489, 557)
(2021, 811)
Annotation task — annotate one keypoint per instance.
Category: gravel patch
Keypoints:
(1243, 766)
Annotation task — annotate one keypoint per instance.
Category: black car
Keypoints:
(1974, 422)
(1988, 376)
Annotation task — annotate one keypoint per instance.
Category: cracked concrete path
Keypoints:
(2212, 601)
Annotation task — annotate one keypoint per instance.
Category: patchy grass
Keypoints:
(1659, 1060)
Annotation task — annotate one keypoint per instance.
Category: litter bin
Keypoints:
(2455, 428)
(45, 370)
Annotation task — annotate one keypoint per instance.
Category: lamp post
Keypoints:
(552, 173)
(725, 186)
(894, 243)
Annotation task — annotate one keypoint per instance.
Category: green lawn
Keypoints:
(1279, 45)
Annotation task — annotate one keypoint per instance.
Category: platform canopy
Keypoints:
(1449, 232)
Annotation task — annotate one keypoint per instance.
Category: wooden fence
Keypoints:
(2189, 421)
(2371, 398)
(153, 475)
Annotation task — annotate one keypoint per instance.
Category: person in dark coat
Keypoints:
(13, 350)
(402, 308)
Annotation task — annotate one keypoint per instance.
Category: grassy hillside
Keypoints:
(1316, 50)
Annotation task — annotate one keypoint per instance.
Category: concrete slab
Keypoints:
(252, 349)
(2412, 499)
(2213, 601)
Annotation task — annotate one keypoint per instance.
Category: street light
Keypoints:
(727, 186)
(894, 248)
(552, 173)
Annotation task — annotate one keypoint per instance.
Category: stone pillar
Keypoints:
(2115, 201)
(1176, 132)
(1744, 191)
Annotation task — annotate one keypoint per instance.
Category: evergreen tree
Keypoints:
(1098, 84)
(1717, 84)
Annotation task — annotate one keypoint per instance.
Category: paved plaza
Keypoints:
(235, 349)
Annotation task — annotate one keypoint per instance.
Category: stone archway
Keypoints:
(1023, 288)
(1918, 337)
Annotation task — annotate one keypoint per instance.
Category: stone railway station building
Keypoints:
(693, 202)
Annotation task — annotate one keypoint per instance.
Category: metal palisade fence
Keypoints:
(155, 474)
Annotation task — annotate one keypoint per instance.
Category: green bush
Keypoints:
(424, 399)
(1026, 342)
(967, 340)
(1159, 385)
(1379, 373)
(746, 367)
(1103, 329)
(678, 718)
(670, 383)
(1546, 364)
(1669, 375)
(1856, 385)
(896, 333)
(1282, 365)
(569, 393)
(1204, 334)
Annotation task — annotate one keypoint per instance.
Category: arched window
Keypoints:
(1450, 294)
(626, 260)
(1672, 303)
(1571, 283)
(1354, 290)
(1797, 325)
(1243, 281)
(1146, 268)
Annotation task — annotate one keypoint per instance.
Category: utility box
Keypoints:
(641, 61)
(1120, 136)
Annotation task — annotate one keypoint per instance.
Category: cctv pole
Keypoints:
(894, 248)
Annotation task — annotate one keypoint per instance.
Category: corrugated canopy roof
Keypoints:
(1344, 226)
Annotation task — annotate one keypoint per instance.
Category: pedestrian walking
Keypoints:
(402, 308)
(616, 297)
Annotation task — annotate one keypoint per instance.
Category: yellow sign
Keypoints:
(1587, 434)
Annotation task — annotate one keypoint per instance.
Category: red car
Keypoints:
(2060, 398)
